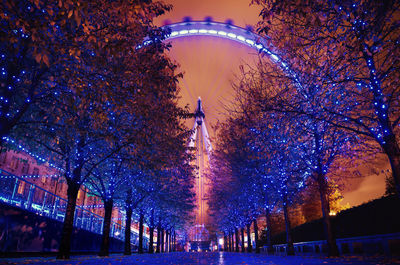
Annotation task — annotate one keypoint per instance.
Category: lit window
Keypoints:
(14, 163)
(44, 179)
(21, 187)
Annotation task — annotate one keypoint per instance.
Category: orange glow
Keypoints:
(210, 64)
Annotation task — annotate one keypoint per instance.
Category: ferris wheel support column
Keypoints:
(200, 140)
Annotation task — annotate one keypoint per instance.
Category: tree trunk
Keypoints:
(256, 236)
(249, 248)
(289, 238)
(166, 240)
(158, 236)
(105, 237)
(389, 143)
(225, 243)
(151, 240)
(162, 240)
(158, 241)
(236, 240)
(141, 217)
(270, 248)
(231, 241)
(170, 240)
(128, 222)
(242, 231)
(151, 229)
(328, 229)
(228, 242)
(174, 241)
(392, 150)
(68, 225)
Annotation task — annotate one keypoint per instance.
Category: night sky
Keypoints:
(210, 64)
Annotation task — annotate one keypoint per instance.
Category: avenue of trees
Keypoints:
(331, 96)
(79, 87)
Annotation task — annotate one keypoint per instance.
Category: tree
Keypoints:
(36, 43)
(110, 182)
(288, 174)
(358, 56)
(294, 96)
(106, 76)
(234, 194)
(390, 188)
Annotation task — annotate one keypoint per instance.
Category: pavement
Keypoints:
(206, 258)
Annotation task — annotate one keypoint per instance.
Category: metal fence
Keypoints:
(387, 244)
(19, 192)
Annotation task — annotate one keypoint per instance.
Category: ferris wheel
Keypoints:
(209, 53)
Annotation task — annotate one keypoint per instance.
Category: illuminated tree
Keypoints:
(234, 195)
(294, 97)
(105, 77)
(354, 47)
(36, 43)
(175, 201)
(108, 182)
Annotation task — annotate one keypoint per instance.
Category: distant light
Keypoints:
(211, 31)
(276, 58)
(192, 31)
(250, 42)
(174, 33)
(259, 46)
(183, 32)
(221, 241)
(232, 35)
(222, 33)
(147, 42)
(202, 30)
(332, 213)
(266, 51)
(241, 38)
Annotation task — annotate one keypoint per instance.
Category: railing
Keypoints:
(19, 192)
(353, 245)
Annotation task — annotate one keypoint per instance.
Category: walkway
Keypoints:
(213, 258)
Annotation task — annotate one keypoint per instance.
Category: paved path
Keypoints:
(214, 258)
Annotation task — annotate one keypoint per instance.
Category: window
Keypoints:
(35, 171)
(25, 168)
(14, 163)
(3, 156)
(21, 187)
